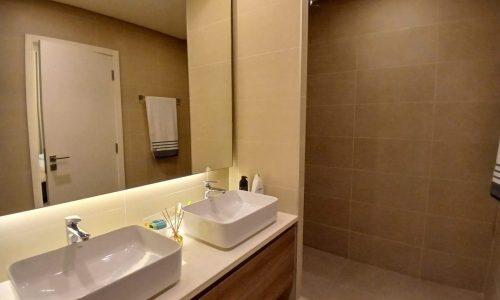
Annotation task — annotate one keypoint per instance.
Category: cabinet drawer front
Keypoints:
(268, 274)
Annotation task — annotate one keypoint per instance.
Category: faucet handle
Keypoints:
(72, 219)
(208, 182)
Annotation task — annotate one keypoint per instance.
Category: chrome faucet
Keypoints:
(210, 189)
(73, 233)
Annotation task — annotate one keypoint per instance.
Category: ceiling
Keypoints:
(166, 16)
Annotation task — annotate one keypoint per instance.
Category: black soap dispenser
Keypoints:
(244, 183)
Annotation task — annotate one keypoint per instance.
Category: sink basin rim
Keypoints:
(170, 256)
(226, 222)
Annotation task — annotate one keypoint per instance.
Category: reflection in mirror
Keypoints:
(106, 95)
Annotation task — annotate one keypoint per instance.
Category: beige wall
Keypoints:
(402, 132)
(269, 67)
(151, 64)
(209, 52)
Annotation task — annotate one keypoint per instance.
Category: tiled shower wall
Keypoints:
(403, 123)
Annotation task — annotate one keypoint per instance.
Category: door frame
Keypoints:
(32, 51)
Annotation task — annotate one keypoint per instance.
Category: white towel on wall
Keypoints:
(162, 122)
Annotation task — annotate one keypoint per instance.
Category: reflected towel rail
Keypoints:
(142, 98)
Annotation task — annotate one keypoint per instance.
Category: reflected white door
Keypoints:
(80, 121)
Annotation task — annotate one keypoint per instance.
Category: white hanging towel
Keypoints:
(162, 122)
(495, 182)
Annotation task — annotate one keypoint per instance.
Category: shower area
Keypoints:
(403, 125)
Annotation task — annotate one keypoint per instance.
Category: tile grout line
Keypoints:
(403, 102)
(397, 242)
(407, 139)
(435, 23)
(353, 151)
(492, 252)
(400, 174)
(431, 158)
(422, 212)
(402, 66)
(456, 218)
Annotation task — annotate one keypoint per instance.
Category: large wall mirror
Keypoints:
(100, 96)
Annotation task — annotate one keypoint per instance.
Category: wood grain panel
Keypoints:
(268, 274)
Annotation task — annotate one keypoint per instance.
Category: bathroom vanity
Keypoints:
(261, 267)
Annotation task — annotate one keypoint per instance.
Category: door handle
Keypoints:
(53, 161)
(54, 158)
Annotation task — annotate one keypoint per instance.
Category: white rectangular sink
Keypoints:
(226, 220)
(128, 263)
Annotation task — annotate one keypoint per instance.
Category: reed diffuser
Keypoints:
(174, 221)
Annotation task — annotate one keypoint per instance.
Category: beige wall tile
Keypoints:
(256, 120)
(209, 44)
(384, 253)
(454, 270)
(468, 200)
(397, 225)
(267, 76)
(214, 153)
(394, 156)
(216, 127)
(331, 88)
(328, 211)
(248, 5)
(328, 182)
(274, 162)
(287, 198)
(464, 9)
(202, 12)
(468, 122)
(468, 81)
(332, 56)
(398, 48)
(415, 83)
(391, 190)
(211, 82)
(399, 121)
(475, 39)
(326, 238)
(262, 29)
(331, 152)
(464, 161)
(330, 121)
(460, 237)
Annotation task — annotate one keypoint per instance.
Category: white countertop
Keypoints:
(202, 264)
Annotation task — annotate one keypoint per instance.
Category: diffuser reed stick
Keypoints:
(175, 221)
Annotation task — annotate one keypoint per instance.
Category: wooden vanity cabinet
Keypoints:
(267, 274)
